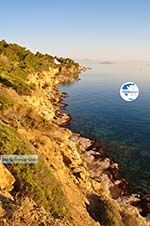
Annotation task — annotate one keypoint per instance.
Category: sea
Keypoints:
(99, 112)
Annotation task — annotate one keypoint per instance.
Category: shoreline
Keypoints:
(94, 147)
(96, 150)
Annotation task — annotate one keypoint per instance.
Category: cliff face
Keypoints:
(72, 183)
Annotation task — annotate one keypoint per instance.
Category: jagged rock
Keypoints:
(62, 118)
(64, 95)
(144, 204)
(125, 200)
(6, 178)
(82, 142)
(81, 172)
(2, 211)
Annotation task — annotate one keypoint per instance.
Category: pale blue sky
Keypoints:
(95, 29)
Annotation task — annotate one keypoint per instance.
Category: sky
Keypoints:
(93, 29)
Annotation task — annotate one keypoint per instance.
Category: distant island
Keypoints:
(105, 62)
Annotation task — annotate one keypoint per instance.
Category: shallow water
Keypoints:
(98, 111)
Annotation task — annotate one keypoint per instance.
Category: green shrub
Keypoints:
(5, 101)
(15, 83)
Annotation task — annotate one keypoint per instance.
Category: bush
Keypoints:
(5, 101)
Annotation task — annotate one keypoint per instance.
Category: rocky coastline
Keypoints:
(74, 183)
(98, 164)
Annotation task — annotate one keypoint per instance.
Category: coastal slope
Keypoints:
(73, 183)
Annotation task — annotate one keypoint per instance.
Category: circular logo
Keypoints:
(129, 91)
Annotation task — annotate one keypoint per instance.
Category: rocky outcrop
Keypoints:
(6, 185)
(6, 179)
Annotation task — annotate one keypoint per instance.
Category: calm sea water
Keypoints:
(98, 111)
